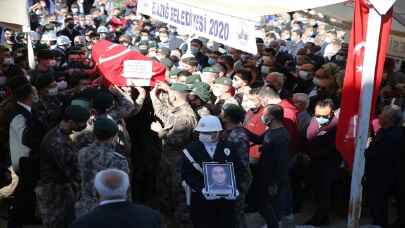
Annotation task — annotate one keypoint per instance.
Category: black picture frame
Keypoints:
(212, 181)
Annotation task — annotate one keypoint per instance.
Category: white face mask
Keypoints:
(62, 85)
(236, 84)
(75, 10)
(53, 91)
(208, 138)
(164, 39)
(8, 61)
(144, 38)
(248, 105)
(304, 75)
(316, 81)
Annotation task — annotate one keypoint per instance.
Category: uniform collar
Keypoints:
(28, 108)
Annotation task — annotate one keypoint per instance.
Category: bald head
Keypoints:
(112, 184)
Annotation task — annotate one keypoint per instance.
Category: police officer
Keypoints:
(210, 211)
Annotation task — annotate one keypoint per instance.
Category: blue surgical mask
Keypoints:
(322, 120)
(194, 50)
(211, 61)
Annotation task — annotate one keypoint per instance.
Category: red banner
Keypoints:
(351, 94)
(111, 58)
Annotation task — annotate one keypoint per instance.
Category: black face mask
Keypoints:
(323, 93)
(70, 25)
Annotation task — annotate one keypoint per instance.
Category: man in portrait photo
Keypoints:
(220, 180)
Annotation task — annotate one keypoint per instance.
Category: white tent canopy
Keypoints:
(13, 13)
(344, 12)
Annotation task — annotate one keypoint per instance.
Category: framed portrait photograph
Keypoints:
(219, 178)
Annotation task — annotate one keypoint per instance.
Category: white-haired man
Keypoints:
(114, 209)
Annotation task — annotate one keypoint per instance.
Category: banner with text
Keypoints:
(232, 31)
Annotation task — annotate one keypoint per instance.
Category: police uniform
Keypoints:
(211, 213)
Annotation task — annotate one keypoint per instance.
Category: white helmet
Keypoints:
(209, 124)
(49, 36)
(63, 41)
(102, 29)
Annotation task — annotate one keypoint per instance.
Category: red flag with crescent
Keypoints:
(124, 67)
(352, 85)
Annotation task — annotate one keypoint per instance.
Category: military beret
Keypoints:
(104, 128)
(81, 102)
(193, 79)
(164, 51)
(77, 113)
(44, 80)
(45, 53)
(223, 81)
(103, 100)
(175, 72)
(203, 85)
(49, 27)
(167, 62)
(235, 112)
(201, 91)
(211, 70)
(179, 87)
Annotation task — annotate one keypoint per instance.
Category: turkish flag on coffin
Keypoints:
(123, 67)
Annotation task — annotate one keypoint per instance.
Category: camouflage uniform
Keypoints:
(178, 124)
(238, 137)
(59, 179)
(92, 159)
(125, 107)
(49, 111)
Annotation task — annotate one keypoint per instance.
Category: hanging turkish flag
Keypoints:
(351, 94)
(123, 67)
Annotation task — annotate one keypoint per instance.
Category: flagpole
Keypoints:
(30, 49)
(368, 75)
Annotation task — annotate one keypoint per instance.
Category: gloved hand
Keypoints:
(209, 196)
(233, 197)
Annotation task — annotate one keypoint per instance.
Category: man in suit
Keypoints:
(114, 209)
(209, 210)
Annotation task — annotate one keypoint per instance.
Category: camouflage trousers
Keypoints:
(172, 197)
(56, 205)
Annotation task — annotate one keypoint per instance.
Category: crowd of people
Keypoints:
(75, 149)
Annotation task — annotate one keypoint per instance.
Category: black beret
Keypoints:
(104, 128)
